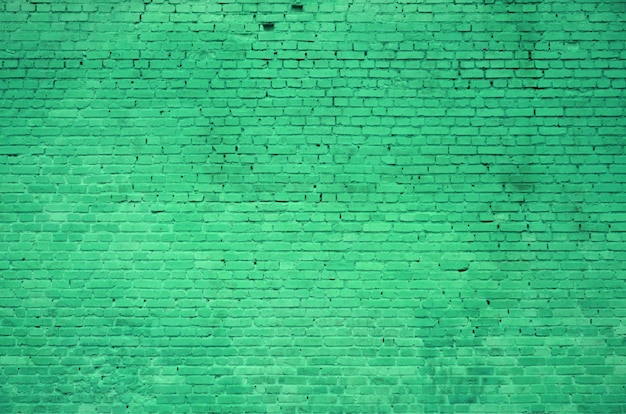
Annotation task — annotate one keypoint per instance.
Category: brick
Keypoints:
(372, 207)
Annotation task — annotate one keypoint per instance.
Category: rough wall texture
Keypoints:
(322, 207)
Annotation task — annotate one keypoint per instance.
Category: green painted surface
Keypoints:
(344, 207)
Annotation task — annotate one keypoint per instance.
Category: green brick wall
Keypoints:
(357, 206)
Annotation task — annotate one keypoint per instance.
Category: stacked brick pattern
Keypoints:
(318, 207)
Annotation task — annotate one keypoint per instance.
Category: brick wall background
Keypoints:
(318, 207)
